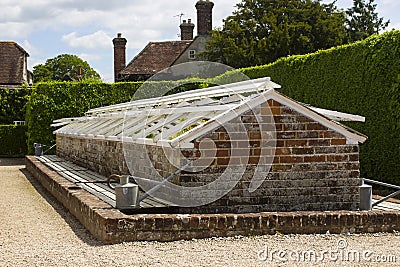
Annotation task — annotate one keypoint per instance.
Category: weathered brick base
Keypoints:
(111, 226)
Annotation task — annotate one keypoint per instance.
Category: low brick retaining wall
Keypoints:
(112, 226)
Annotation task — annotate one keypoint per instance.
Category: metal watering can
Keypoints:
(126, 193)
(38, 149)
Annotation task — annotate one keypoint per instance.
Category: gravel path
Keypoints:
(36, 230)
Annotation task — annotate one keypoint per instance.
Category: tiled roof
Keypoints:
(12, 63)
(155, 57)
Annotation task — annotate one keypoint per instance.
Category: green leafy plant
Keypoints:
(13, 104)
(12, 141)
(64, 68)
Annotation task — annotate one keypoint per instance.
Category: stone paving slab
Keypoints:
(93, 182)
(112, 226)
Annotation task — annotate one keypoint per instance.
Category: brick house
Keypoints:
(14, 65)
(157, 56)
(269, 152)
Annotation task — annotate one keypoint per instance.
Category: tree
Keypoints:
(261, 31)
(363, 21)
(64, 67)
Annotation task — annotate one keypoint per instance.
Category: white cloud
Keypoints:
(14, 30)
(9, 12)
(29, 47)
(78, 18)
(390, 2)
(393, 26)
(97, 40)
(33, 61)
(89, 57)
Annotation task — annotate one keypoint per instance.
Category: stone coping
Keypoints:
(112, 226)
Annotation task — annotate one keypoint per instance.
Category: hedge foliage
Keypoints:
(362, 78)
(12, 141)
(13, 104)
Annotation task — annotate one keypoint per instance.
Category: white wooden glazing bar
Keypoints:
(165, 135)
(232, 99)
(68, 120)
(172, 116)
(158, 125)
(79, 127)
(58, 124)
(64, 128)
(105, 131)
(218, 91)
(338, 116)
(127, 125)
(100, 125)
(142, 133)
(147, 118)
(206, 104)
(110, 115)
(116, 130)
(69, 129)
(144, 121)
(65, 120)
(83, 126)
(197, 109)
(170, 125)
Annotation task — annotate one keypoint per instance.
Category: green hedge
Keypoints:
(12, 141)
(362, 78)
(13, 104)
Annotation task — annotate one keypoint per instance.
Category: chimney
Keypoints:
(204, 17)
(187, 30)
(119, 55)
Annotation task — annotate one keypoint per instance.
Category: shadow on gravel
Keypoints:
(75, 225)
(4, 162)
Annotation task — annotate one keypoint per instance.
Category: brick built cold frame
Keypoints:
(314, 165)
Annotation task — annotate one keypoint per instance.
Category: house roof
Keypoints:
(12, 63)
(155, 57)
(160, 120)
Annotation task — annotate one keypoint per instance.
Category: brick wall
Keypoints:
(311, 168)
(112, 226)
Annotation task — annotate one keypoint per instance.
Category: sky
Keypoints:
(48, 28)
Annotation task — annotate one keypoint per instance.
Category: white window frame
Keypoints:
(192, 54)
